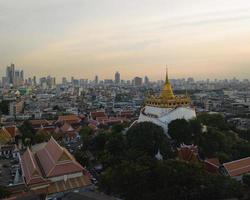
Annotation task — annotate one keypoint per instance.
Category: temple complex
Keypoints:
(52, 169)
(166, 107)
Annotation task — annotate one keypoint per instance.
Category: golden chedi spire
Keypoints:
(167, 99)
(167, 92)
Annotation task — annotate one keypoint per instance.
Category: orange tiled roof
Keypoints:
(69, 118)
(67, 127)
(56, 160)
(98, 114)
(238, 167)
(39, 122)
(30, 168)
(212, 165)
(5, 136)
(11, 130)
(188, 152)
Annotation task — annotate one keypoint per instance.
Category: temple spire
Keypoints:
(166, 81)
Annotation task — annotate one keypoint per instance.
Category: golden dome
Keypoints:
(167, 92)
(167, 99)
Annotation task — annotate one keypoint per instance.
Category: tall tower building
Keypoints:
(64, 81)
(96, 80)
(137, 81)
(117, 78)
(34, 81)
(10, 74)
(146, 80)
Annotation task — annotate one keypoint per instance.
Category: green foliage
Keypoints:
(181, 131)
(4, 193)
(41, 137)
(146, 137)
(213, 120)
(171, 179)
(81, 157)
(246, 179)
(217, 141)
(118, 128)
(131, 171)
(4, 107)
(28, 133)
(86, 135)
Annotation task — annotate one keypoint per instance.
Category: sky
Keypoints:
(84, 38)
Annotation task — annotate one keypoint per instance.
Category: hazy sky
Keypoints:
(81, 38)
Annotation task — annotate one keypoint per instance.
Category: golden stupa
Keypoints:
(167, 99)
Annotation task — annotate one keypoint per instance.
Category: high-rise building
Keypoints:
(22, 75)
(137, 81)
(34, 81)
(96, 79)
(10, 74)
(64, 80)
(117, 78)
(146, 80)
(4, 81)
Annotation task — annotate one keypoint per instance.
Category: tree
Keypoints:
(81, 157)
(118, 128)
(213, 120)
(86, 135)
(4, 107)
(170, 178)
(41, 136)
(147, 137)
(4, 192)
(28, 133)
(98, 142)
(246, 179)
(196, 129)
(181, 131)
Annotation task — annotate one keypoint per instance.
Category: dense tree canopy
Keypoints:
(131, 170)
(4, 107)
(28, 133)
(166, 179)
(4, 193)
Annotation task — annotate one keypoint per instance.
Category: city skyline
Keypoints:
(12, 74)
(200, 39)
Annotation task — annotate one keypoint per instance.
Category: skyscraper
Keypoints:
(64, 81)
(96, 79)
(146, 80)
(117, 78)
(10, 74)
(137, 81)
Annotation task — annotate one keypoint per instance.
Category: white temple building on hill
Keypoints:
(166, 107)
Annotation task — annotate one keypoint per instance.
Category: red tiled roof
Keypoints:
(100, 119)
(69, 118)
(11, 130)
(212, 165)
(30, 168)
(188, 152)
(67, 127)
(56, 160)
(127, 113)
(98, 114)
(39, 122)
(238, 167)
(93, 122)
(213, 161)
